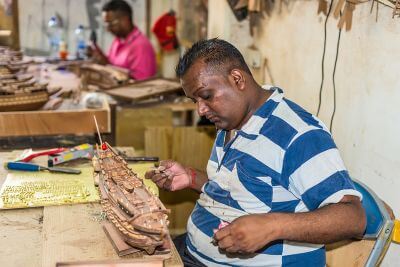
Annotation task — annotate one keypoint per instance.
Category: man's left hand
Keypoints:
(248, 233)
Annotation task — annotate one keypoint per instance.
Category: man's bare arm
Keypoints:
(328, 224)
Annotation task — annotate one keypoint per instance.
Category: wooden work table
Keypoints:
(48, 235)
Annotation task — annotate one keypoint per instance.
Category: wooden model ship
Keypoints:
(18, 91)
(106, 77)
(138, 216)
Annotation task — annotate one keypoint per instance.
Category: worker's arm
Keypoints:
(328, 224)
(176, 177)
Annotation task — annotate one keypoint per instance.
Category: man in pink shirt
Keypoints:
(130, 48)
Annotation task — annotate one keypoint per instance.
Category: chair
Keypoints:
(377, 237)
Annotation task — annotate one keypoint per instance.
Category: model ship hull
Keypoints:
(23, 101)
(18, 92)
(138, 216)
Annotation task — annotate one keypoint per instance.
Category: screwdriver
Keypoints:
(24, 166)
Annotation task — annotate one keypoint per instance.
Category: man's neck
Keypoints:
(258, 98)
(127, 31)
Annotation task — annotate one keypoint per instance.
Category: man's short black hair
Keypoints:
(215, 53)
(119, 6)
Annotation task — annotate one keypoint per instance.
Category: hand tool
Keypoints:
(155, 159)
(127, 158)
(81, 151)
(28, 154)
(23, 166)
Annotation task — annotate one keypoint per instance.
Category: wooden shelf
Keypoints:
(78, 121)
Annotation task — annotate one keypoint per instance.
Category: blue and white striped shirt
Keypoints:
(282, 160)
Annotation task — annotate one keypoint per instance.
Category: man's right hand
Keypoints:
(174, 177)
(94, 52)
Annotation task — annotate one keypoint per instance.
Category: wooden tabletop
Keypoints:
(48, 235)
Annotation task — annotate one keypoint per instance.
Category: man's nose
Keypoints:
(202, 108)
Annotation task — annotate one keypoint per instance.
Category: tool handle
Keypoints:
(22, 166)
(141, 158)
(47, 152)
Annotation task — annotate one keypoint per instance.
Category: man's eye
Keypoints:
(206, 97)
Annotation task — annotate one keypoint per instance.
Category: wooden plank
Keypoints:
(21, 237)
(145, 89)
(132, 123)
(20, 230)
(192, 145)
(352, 253)
(27, 123)
(67, 238)
(71, 233)
(158, 142)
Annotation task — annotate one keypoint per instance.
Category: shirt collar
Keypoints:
(131, 36)
(256, 121)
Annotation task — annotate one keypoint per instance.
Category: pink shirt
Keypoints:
(135, 53)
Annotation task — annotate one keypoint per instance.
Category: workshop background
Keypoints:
(349, 77)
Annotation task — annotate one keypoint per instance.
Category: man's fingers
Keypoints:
(167, 163)
(168, 184)
(233, 249)
(225, 243)
(149, 174)
(222, 233)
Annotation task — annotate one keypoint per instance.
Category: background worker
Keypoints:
(130, 49)
(276, 189)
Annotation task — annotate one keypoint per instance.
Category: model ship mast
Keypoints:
(139, 217)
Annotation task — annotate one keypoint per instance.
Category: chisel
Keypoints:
(23, 166)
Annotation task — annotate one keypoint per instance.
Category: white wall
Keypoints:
(366, 127)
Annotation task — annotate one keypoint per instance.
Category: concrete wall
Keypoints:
(366, 126)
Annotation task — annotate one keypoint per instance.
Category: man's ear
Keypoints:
(238, 78)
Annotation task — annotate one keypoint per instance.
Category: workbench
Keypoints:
(49, 235)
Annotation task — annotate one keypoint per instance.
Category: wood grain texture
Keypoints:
(132, 123)
(192, 145)
(146, 89)
(158, 142)
(54, 122)
(71, 233)
(21, 237)
(348, 253)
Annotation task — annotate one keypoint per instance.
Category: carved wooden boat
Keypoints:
(138, 215)
(106, 77)
(18, 92)
(23, 101)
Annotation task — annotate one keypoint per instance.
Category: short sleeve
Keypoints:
(314, 171)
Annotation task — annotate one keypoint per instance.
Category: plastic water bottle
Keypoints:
(54, 33)
(80, 42)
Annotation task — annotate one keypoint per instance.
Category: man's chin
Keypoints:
(223, 126)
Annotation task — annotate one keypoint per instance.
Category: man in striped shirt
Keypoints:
(276, 189)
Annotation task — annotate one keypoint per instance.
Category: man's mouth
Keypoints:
(212, 118)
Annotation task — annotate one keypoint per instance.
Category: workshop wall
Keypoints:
(365, 126)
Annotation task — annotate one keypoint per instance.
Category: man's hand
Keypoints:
(325, 225)
(173, 177)
(247, 234)
(94, 52)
